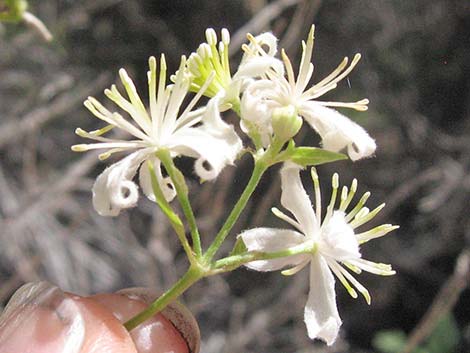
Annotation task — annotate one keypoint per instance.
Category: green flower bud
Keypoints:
(12, 10)
(286, 122)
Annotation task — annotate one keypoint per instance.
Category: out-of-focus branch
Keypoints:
(17, 128)
(259, 22)
(443, 303)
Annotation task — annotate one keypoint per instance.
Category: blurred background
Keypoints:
(415, 71)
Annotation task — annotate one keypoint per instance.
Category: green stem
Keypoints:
(182, 195)
(175, 221)
(258, 171)
(193, 275)
(263, 160)
(232, 262)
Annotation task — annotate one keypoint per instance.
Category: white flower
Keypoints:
(200, 134)
(276, 90)
(330, 247)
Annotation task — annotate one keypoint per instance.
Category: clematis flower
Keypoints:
(212, 57)
(331, 247)
(280, 88)
(200, 134)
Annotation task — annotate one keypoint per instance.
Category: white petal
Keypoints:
(321, 314)
(256, 61)
(337, 131)
(271, 240)
(214, 143)
(338, 240)
(255, 111)
(258, 66)
(114, 189)
(296, 200)
(166, 185)
(263, 40)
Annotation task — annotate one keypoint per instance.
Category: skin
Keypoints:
(46, 326)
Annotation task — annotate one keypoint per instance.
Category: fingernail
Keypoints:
(180, 316)
(41, 318)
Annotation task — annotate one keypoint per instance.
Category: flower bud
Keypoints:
(12, 11)
(286, 122)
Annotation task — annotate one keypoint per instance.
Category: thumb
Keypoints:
(173, 331)
(40, 318)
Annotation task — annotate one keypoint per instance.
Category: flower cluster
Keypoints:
(272, 103)
(268, 102)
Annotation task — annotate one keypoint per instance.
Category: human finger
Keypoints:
(41, 318)
(173, 330)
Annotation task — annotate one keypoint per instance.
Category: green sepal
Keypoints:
(239, 247)
(308, 156)
(12, 10)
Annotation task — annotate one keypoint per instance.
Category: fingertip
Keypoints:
(104, 332)
(156, 335)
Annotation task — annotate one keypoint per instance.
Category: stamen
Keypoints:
(355, 283)
(343, 197)
(338, 78)
(334, 267)
(316, 185)
(198, 95)
(152, 81)
(353, 268)
(142, 120)
(256, 44)
(191, 118)
(345, 202)
(175, 99)
(119, 144)
(361, 219)
(358, 207)
(162, 96)
(359, 105)
(107, 154)
(211, 37)
(132, 93)
(295, 269)
(79, 148)
(346, 72)
(313, 93)
(375, 233)
(331, 205)
(94, 133)
(281, 215)
(331, 76)
(98, 110)
(306, 67)
(289, 70)
(376, 268)
(82, 133)
(225, 59)
(225, 34)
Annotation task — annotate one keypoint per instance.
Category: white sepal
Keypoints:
(295, 199)
(321, 314)
(337, 131)
(165, 183)
(215, 143)
(114, 189)
(272, 240)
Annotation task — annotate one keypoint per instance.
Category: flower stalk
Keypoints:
(182, 194)
(193, 275)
